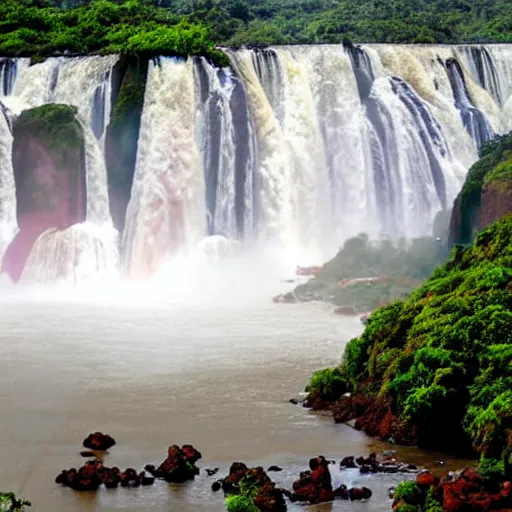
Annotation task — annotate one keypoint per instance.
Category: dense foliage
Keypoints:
(192, 27)
(443, 357)
(35, 28)
(400, 266)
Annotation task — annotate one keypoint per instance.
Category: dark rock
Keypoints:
(348, 462)
(217, 486)
(146, 480)
(179, 466)
(274, 468)
(359, 493)
(150, 468)
(130, 478)
(211, 472)
(99, 441)
(314, 486)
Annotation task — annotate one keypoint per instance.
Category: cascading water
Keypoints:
(86, 84)
(167, 210)
(8, 224)
(295, 147)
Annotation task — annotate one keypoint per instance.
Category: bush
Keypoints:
(409, 492)
(328, 384)
(238, 503)
(491, 469)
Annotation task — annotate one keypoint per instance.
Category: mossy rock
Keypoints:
(54, 125)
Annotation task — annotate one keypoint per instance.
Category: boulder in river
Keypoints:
(314, 486)
(99, 441)
(179, 466)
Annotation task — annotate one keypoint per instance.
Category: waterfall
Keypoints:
(294, 147)
(89, 249)
(8, 225)
(167, 211)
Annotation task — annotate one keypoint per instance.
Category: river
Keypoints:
(155, 366)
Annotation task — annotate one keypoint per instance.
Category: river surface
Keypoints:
(156, 366)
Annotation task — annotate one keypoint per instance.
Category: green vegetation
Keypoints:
(34, 28)
(398, 268)
(56, 125)
(10, 503)
(431, 503)
(248, 488)
(327, 385)
(495, 164)
(410, 497)
(407, 491)
(239, 503)
(193, 27)
(492, 469)
(443, 357)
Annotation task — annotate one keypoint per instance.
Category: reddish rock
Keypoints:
(425, 480)
(179, 466)
(375, 418)
(471, 492)
(99, 441)
(314, 486)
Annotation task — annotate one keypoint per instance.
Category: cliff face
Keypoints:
(50, 176)
(487, 193)
(129, 85)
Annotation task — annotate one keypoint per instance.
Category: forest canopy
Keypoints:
(195, 27)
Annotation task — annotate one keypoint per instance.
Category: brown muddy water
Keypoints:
(154, 369)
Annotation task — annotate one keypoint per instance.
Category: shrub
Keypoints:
(491, 469)
(328, 384)
(408, 491)
(239, 503)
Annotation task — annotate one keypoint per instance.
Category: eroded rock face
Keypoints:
(50, 176)
(495, 204)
